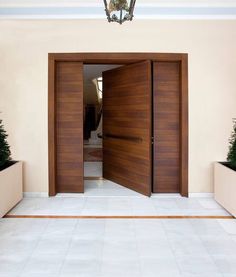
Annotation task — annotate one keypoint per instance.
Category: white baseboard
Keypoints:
(201, 194)
(35, 194)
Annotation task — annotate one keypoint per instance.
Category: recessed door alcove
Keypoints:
(145, 143)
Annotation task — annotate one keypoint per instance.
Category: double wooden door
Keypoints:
(141, 126)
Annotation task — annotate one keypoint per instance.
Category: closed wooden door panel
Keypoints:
(127, 126)
(69, 127)
(166, 125)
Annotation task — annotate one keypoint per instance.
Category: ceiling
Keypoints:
(94, 9)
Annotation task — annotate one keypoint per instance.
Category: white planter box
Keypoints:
(225, 187)
(11, 187)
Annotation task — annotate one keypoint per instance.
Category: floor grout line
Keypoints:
(35, 247)
(69, 246)
(171, 247)
(210, 256)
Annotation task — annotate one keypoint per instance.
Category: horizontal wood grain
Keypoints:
(69, 127)
(166, 127)
(127, 127)
(115, 58)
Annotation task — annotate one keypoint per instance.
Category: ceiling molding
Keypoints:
(74, 9)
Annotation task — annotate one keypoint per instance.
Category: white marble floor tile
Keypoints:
(106, 188)
(165, 203)
(93, 169)
(149, 228)
(44, 264)
(88, 229)
(191, 264)
(216, 245)
(177, 206)
(188, 203)
(117, 268)
(118, 206)
(29, 228)
(201, 275)
(177, 227)
(36, 275)
(95, 206)
(9, 274)
(76, 267)
(190, 245)
(164, 266)
(209, 203)
(225, 263)
(117, 247)
(113, 202)
(119, 250)
(17, 245)
(85, 249)
(228, 225)
(12, 263)
(119, 230)
(154, 249)
(52, 246)
(60, 227)
(206, 227)
(143, 206)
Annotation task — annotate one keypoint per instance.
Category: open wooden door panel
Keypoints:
(127, 126)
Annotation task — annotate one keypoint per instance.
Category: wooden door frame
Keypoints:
(118, 58)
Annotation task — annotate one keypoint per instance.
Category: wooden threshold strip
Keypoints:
(93, 178)
(122, 216)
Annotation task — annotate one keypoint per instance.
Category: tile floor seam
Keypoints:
(103, 245)
(83, 205)
(139, 254)
(170, 245)
(102, 250)
(40, 238)
(63, 262)
(137, 249)
(209, 254)
(167, 229)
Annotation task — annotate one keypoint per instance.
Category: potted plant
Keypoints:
(10, 176)
(225, 177)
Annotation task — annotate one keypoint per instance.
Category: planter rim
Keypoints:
(225, 163)
(13, 162)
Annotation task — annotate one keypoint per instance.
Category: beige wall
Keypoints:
(211, 46)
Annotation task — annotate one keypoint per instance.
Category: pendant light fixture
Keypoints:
(119, 10)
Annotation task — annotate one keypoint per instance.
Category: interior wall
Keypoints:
(24, 48)
(90, 94)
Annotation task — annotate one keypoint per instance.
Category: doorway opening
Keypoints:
(143, 107)
(94, 182)
(124, 129)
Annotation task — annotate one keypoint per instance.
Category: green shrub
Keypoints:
(5, 153)
(231, 158)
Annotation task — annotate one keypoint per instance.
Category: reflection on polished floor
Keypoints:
(110, 230)
(117, 247)
(130, 204)
(93, 169)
